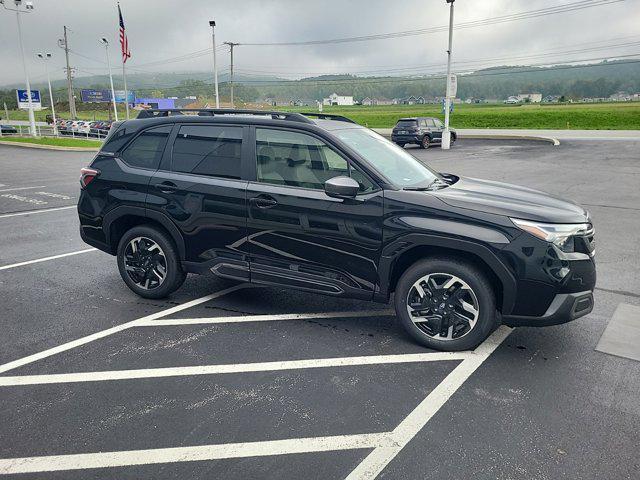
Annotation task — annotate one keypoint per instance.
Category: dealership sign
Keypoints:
(105, 96)
(23, 99)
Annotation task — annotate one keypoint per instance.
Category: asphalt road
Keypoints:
(543, 405)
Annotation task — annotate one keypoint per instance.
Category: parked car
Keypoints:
(422, 131)
(100, 129)
(81, 128)
(8, 129)
(331, 207)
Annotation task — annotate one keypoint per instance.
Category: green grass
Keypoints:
(58, 142)
(599, 116)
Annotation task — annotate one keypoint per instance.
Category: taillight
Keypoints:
(87, 175)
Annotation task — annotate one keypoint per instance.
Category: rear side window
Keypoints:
(146, 149)
(208, 150)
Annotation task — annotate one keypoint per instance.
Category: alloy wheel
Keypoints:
(443, 306)
(145, 263)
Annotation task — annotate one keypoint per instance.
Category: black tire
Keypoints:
(453, 138)
(478, 282)
(174, 275)
(426, 142)
(400, 144)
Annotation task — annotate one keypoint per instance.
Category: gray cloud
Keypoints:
(162, 29)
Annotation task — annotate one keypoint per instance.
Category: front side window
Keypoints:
(300, 160)
(210, 150)
(438, 123)
(395, 163)
(146, 149)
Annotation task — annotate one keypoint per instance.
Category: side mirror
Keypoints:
(341, 187)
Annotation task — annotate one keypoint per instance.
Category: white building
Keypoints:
(531, 97)
(335, 99)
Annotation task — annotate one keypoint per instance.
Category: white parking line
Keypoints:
(230, 368)
(33, 212)
(264, 318)
(21, 188)
(118, 328)
(386, 445)
(377, 460)
(192, 454)
(44, 259)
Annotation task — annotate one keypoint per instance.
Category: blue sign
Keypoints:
(24, 98)
(120, 96)
(450, 106)
(95, 95)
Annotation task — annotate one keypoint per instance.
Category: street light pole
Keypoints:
(215, 63)
(105, 42)
(46, 57)
(446, 134)
(28, 8)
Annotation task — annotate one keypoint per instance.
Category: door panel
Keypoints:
(297, 235)
(209, 207)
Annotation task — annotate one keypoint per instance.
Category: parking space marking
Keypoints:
(21, 188)
(118, 328)
(41, 210)
(192, 454)
(264, 318)
(44, 259)
(231, 368)
(377, 460)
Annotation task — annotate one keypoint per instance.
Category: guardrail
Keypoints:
(49, 131)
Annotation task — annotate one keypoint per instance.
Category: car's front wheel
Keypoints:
(149, 263)
(446, 304)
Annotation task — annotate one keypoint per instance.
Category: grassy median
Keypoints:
(569, 116)
(56, 142)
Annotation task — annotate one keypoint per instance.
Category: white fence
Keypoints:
(49, 131)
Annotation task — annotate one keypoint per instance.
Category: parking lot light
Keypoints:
(446, 134)
(28, 9)
(46, 57)
(105, 42)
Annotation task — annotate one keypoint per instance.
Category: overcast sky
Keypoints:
(162, 29)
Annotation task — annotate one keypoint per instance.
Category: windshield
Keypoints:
(397, 165)
(406, 123)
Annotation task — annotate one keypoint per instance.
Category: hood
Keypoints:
(511, 200)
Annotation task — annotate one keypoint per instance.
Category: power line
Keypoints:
(569, 7)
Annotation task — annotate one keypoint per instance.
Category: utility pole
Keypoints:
(64, 43)
(212, 24)
(46, 57)
(446, 134)
(231, 45)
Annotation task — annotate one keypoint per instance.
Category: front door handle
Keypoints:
(263, 201)
(167, 187)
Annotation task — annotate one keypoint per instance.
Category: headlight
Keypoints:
(560, 234)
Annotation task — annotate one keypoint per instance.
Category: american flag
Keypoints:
(124, 43)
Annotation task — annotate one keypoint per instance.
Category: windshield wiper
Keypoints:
(436, 183)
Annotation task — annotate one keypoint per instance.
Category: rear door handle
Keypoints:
(263, 201)
(167, 187)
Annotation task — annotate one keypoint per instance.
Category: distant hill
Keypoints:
(572, 81)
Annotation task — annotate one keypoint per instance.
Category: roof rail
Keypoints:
(212, 112)
(328, 116)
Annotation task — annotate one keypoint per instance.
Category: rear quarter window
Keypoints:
(145, 151)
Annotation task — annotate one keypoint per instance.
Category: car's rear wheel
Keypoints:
(400, 144)
(426, 142)
(149, 263)
(446, 304)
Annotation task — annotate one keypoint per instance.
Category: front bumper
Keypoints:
(564, 308)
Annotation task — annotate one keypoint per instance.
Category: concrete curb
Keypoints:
(491, 136)
(50, 147)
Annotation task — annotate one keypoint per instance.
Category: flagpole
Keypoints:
(126, 92)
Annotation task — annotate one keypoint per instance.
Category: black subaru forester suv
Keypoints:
(331, 207)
